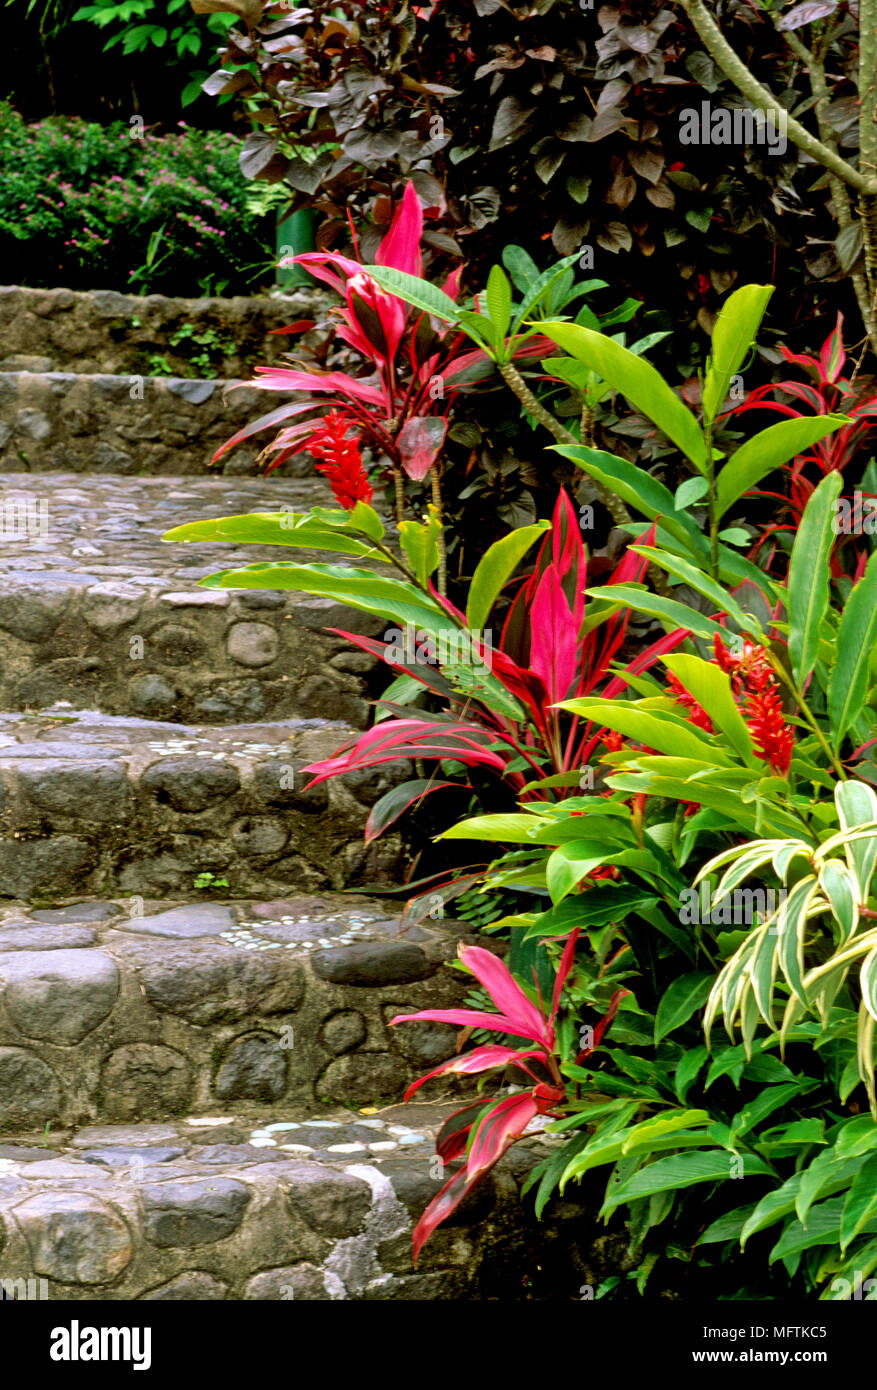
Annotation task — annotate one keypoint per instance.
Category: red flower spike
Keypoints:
(773, 739)
(342, 462)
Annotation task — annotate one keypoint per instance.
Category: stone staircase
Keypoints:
(199, 1086)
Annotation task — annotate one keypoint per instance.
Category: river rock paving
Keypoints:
(97, 611)
(216, 1207)
(159, 1006)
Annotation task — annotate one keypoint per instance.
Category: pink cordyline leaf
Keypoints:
(400, 248)
(499, 1129)
(440, 1208)
(506, 993)
(288, 379)
(473, 1018)
(832, 357)
(554, 647)
(274, 417)
(480, 1059)
(419, 443)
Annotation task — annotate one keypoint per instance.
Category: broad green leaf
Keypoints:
(540, 287)
(510, 828)
(301, 531)
(637, 380)
(733, 335)
(771, 1098)
(632, 484)
(370, 593)
(496, 565)
(727, 1227)
(711, 688)
(664, 1127)
(807, 592)
(680, 1000)
(569, 864)
(499, 300)
(676, 615)
(856, 638)
(767, 450)
(822, 1228)
(366, 519)
(686, 1170)
(419, 540)
(690, 1065)
(415, 291)
(665, 733)
(701, 583)
(860, 1206)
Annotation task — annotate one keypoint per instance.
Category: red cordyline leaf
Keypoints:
(554, 646)
(398, 738)
(470, 1063)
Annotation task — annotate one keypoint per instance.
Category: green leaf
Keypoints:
(499, 300)
(365, 518)
(856, 638)
(637, 380)
(856, 804)
(636, 487)
(495, 567)
(681, 999)
(690, 491)
(664, 1125)
(690, 1065)
(370, 593)
(541, 286)
(510, 827)
(711, 688)
(765, 1104)
(667, 733)
(307, 531)
(701, 583)
(520, 266)
(675, 614)
(415, 291)
(733, 335)
(766, 451)
(807, 595)
(419, 540)
(686, 1170)
(860, 1206)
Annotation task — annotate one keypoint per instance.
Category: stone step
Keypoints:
(128, 424)
(95, 803)
(97, 611)
(100, 331)
(134, 1009)
(205, 1209)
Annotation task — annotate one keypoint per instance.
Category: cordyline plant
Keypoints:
(499, 714)
(400, 409)
(828, 391)
(478, 1135)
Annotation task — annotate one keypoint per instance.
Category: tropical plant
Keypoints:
(597, 355)
(827, 391)
(484, 1132)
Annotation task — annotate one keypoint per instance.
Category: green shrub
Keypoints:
(122, 207)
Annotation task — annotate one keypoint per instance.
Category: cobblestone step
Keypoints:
(212, 1208)
(95, 803)
(133, 1009)
(128, 424)
(100, 331)
(97, 611)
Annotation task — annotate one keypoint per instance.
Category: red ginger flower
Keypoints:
(771, 735)
(342, 462)
(755, 690)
